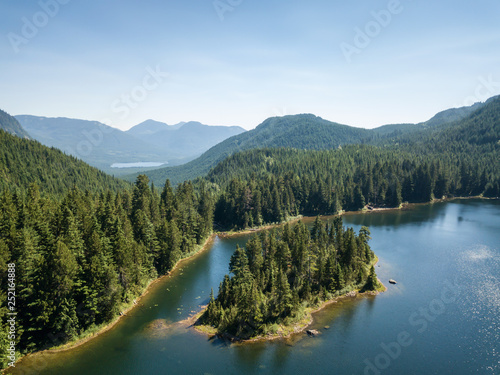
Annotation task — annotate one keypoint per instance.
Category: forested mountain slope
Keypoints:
(299, 131)
(312, 133)
(24, 161)
(266, 185)
(11, 125)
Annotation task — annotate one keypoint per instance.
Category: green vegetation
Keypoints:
(301, 132)
(309, 132)
(11, 125)
(267, 185)
(262, 186)
(79, 259)
(281, 273)
(24, 161)
(86, 244)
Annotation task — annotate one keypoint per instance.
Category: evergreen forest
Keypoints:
(279, 274)
(86, 244)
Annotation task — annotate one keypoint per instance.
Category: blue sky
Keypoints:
(248, 61)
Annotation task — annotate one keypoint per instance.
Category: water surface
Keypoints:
(444, 310)
(138, 164)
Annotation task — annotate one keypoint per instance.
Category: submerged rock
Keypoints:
(312, 332)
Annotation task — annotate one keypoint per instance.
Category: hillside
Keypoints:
(97, 144)
(149, 127)
(479, 128)
(11, 125)
(102, 146)
(475, 137)
(186, 140)
(308, 132)
(304, 131)
(442, 118)
(24, 161)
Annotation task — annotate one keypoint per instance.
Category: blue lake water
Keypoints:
(442, 316)
(144, 164)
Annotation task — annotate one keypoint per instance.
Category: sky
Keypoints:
(363, 63)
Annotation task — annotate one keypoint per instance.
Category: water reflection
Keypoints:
(420, 248)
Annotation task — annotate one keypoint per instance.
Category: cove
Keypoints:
(440, 318)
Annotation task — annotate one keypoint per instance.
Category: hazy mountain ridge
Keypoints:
(12, 126)
(307, 131)
(179, 138)
(151, 127)
(25, 161)
(101, 145)
(95, 143)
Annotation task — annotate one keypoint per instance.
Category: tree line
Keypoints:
(85, 244)
(79, 259)
(281, 272)
(269, 185)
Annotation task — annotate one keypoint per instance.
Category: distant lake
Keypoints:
(144, 164)
(442, 316)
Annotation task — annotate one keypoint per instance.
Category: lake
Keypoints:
(144, 164)
(442, 316)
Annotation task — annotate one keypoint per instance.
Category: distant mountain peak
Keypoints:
(148, 127)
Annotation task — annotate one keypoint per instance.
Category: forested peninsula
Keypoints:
(283, 273)
(85, 244)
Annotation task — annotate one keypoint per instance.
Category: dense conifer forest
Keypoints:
(80, 259)
(85, 244)
(24, 161)
(280, 273)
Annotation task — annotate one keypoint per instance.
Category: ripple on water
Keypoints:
(480, 269)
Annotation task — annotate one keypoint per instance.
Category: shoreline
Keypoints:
(205, 246)
(285, 332)
(242, 232)
(405, 206)
(128, 308)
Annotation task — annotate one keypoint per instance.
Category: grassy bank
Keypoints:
(125, 308)
(297, 323)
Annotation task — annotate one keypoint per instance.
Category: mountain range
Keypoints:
(24, 161)
(102, 146)
(153, 141)
(185, 139)
(304, 131)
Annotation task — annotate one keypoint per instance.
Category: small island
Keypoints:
(282, 275)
